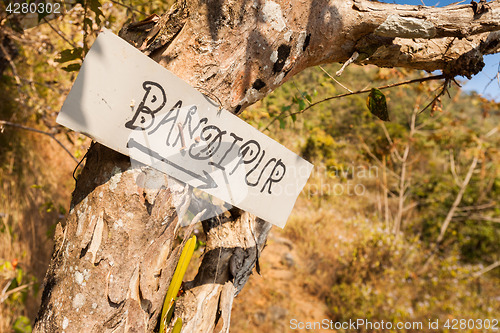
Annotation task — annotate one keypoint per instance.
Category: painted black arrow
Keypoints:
(208, 181)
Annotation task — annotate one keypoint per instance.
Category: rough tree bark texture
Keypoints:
(115, 256)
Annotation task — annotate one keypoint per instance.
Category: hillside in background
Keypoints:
(363, 239)
(400, 221)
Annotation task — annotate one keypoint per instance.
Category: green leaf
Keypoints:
(282, 123)
(70, 54)
(294, 117)
(377, 104)
(309, 98)
(302, 104)
(6, 266)
(72, 68)
(199, 244)
(22, 325)
(19, 276)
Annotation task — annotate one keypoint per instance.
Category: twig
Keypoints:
(7, 285)
(454, 208)
(433, 119)
(479, 218)
(497, 76)
(10, 292)
(486, 269)
(335, 80)
(454, 169)
(424, 79)
(388, 137)
(492, 132)
(441, 93)
(386, 191)
(132, 9)
(301, 93)
(389, 192)
(59, 33)
(369, 152)
(403, 185)
(352, 59)
(478, 207)
(8, 123)
(410, 206)
(44, 84)
(458, 199)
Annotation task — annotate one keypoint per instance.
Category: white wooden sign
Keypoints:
(128, 102)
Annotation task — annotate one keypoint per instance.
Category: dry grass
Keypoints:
(355, 268)
(34, 193)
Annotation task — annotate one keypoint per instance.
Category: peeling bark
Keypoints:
(114, 261)
(234, 242)
(115, 257)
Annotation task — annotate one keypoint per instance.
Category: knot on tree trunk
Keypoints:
(468, 65)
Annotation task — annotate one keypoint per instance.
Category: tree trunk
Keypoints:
(115, 256)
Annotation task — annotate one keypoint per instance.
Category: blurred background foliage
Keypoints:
(400, 221)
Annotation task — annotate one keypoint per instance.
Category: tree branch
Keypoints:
(452, 56)
(478, 207)
(334, 79)
(487, 269)
(424, 79)
(459, 196)
(479, 218)
(60, 33)
(403, 21)
(403, 183)
(8, 123)
(6, 294)
(454, 169)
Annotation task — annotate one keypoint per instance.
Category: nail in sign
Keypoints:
(126, 101)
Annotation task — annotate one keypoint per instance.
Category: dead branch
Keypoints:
(487, 269)
(478, 218)
(459, 196)
(57, 31)
(478, 207)
(454, 169)
(335, 80)
(6, 294)
(8, 123)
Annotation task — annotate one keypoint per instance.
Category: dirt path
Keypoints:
(270, 302)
